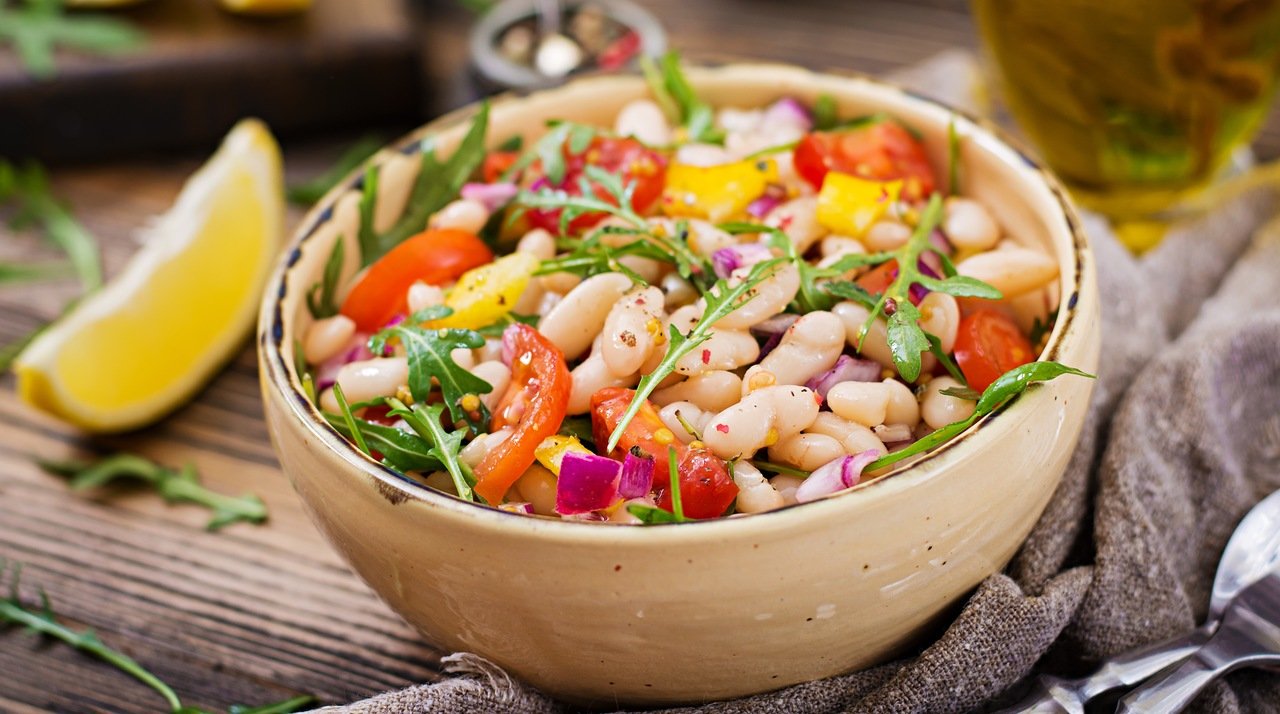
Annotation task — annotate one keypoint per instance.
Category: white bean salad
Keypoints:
(763, 305)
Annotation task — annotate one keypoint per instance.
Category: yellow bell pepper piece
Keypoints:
(716, 193)
(483, 295)
(848, 205)
(553, 448)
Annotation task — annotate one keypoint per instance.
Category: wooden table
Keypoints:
(256, 614)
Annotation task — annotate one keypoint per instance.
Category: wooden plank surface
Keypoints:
(254, 614)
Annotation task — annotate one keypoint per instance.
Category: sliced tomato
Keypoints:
(988, 344)
(879, 278)
(534, 406)
(627, 158)
(496, 164)
(434, 257)
(706, 488)
(882, 151)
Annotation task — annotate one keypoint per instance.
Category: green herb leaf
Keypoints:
(825, 113)
(28, 189)
(672, 91)
(961, 286)
(10, 352)
(16, 273)
(400, 450)
(722, 299)
(651, 515)
(288, 706)
(437, 184)
(322, 298)
(579, 427)
(850, 290)
(429, 356)
(350, 419)
(779, 468)
(34, 28)
(1001, 392)
(445, 445)
(935, 348)
(953, 157)
(174, 486)
(906, 340)
(967, 393)
(677, 500)
(369, 241)
(307, 193)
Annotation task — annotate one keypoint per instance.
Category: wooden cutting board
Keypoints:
(343, 63)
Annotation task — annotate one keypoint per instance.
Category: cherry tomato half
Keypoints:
(632, 161)
(988, 344)
(706, 489)
(496, 164)
(534, 405)
(434, 257)
(882, 151)
(879, 278)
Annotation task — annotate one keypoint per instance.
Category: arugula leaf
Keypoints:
(174, 486)
(968, 393)
(850, 290)
(953, 157)
(322, 297)
(960, 286)
(309, 192)
(350, 419)
(580, 427)
(650, 515)
(825, 113)
(549, 150)
(429, 357)
(672, 91)
(437, 184)
(15, 273)
(722, 299)
(400, 450)
(34, 28)
(1039, 328)
(935, 348)
(445, 445)
(779, 468)
(29, 189)
(369, 241)
(1001, 392)
(906, 339)
(677, 502)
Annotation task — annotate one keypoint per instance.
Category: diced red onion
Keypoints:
(356, 350)
(541, 183)
(834, 476)
(587, 483)
(743, 255)
(637, 476)
(939, 240)
(509, 344)
(775, 325)
(893, 433)
(760, 207)
(846, 369)
(788, 111)
(492, 195)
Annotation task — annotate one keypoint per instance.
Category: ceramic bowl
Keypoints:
(707, 610)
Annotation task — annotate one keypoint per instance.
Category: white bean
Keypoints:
(422, 296)
(372, 378)
(767, 299)
(631, 330)
(839, 246)
(395, 182)
(538, 488)
(576, 320)
(808, 348)
(798, 218)
(712, 391)
(938, 409)
(325, 338)
(786, 487)
(866, 403)
(702, 155)
(704, 237)
(677, 291)
(646, 268)
(876, 344)
(562, 283)
(725, 349)
(755, 493)
(806, 451)
(643, 119)
(903, 407)
(761, 419)
(462, 214)
(854, 437)
(886, 234)
(592, 375)
(490, 351)
(1014, 272)
(734, 119)
(969, 225)
(690, 412)
(463, 357)
(474, 452)
(940, 317)
(498, 375)
(539, 243)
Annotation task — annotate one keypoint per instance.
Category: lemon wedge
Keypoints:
(143, 344)
(265, 7)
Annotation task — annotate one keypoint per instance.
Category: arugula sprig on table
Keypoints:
(42, 620)
(723, 298)
(428, 350)
(175, 486)
(35, 28)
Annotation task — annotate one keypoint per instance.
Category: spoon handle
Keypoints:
(1173, 692)
(1051, 694)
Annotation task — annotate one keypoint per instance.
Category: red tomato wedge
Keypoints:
(882, 151)
(706, 488)
(878, 279)
(635, 164)
(434, 257)
(988, 344)
(534, 406)
(496, 164)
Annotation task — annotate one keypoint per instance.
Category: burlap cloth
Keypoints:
(1183, 437)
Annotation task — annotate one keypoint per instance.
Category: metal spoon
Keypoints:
(1252, 552)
